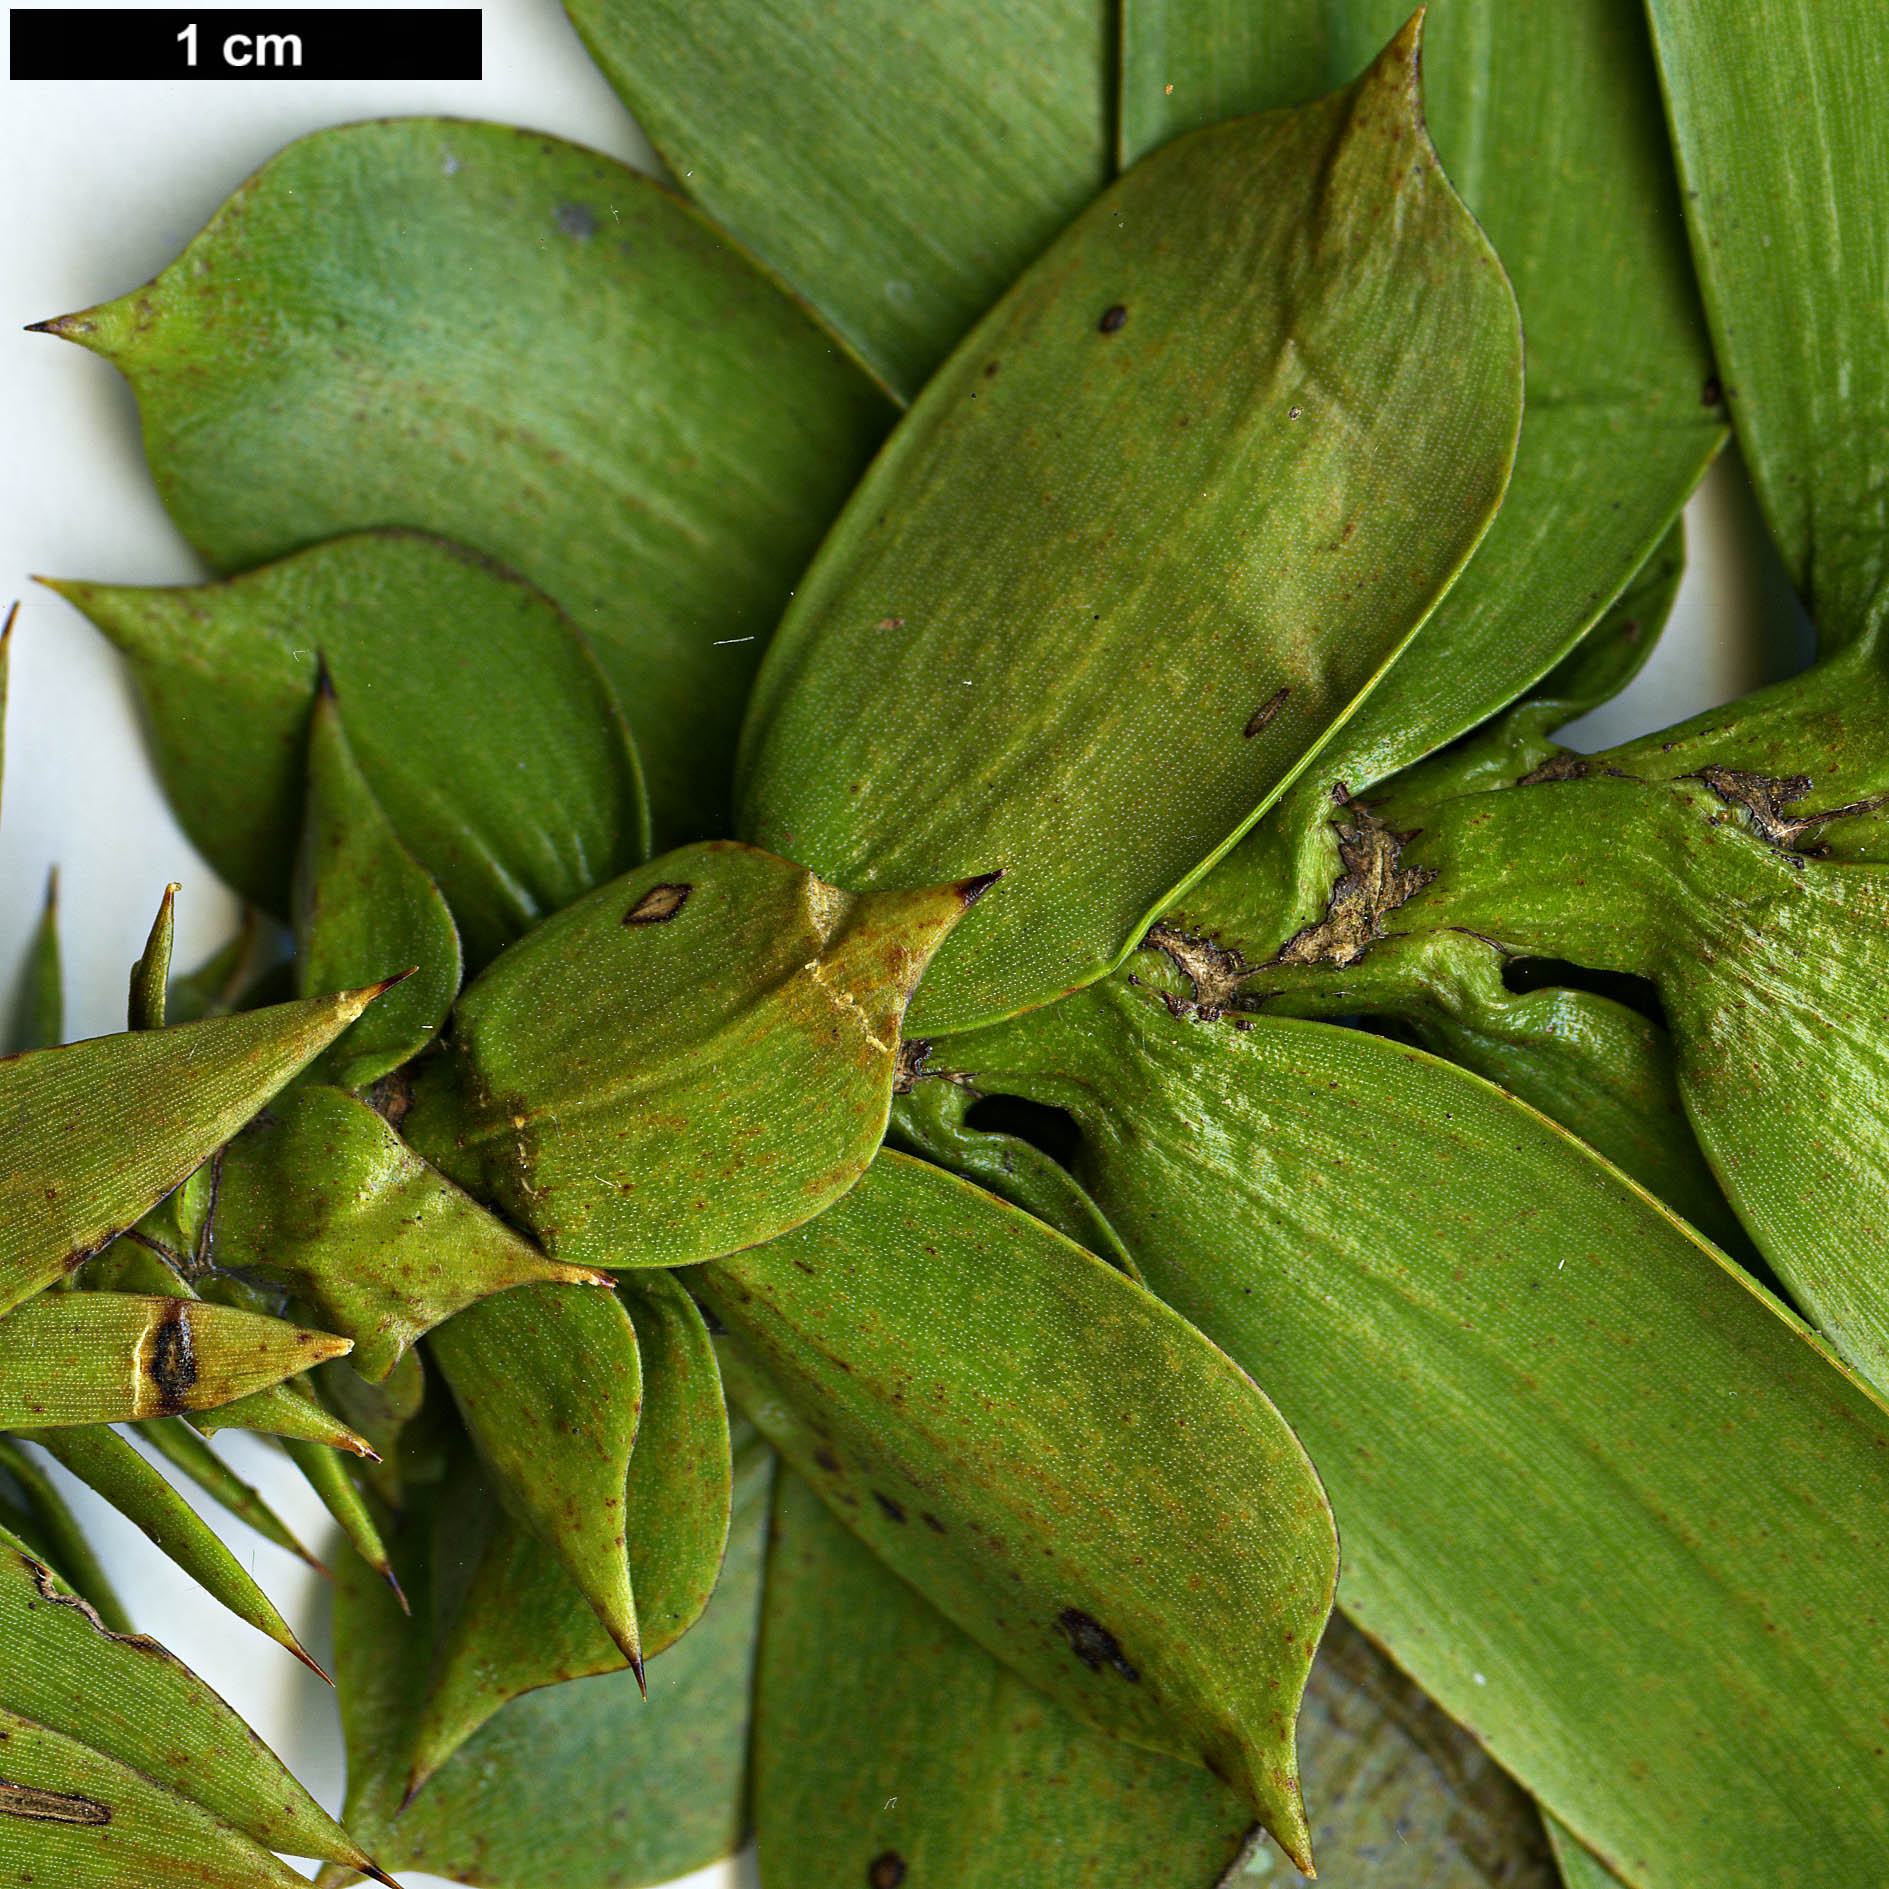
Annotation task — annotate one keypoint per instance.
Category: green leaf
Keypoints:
(180, 1446)
(279, 1412)
(218, 985)
(328, 1476)
(1536, 1398)
(693, 1059)
(1546, 117)
(528, 348)
(969, 135)
(111, 1357)
(128, 1697)
(72, 1816)
(39, 1006)
(324, 1196)
(889, 1747)
(452, 670)
(1774, 107)
(40, 1524)
(362, 898)
(151, 975)
(380, 1413)
(107, 1464)
(116, 1122)
(1580, 1867)
(1286, 374)
(524, 1623)
(663, 1779)
(549, 1384)
(966, 1389)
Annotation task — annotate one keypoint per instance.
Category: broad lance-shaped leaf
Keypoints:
(479, 720)
(970, 134)
(180, 1446)
(549, 1383)
(1774, 107)
(1546, 117)
(148, 996)
(524, 1622)
(967, 1389)
(93, 1135)
(112, 1357)
(72, 1816)
(39, 1003)
(325, 1196)
(663, 1779)
(36, 1520)
(113, 1468)
(693, 1059)
(1286, 373)
(890, 1747)
(1536, 1398)
(527, 348)
(361, 898)
(126, 1696)
(887, 1740)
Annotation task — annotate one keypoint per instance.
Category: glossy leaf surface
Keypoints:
(1546, 117)
(1775, 107)
(665, 1777)
(451, 671)
(970, 134)
(327, 1198)
(886, 1740)
(127, 1696)
(72, 1816)
(1535, 1406)
(1285, 370)
(527, 348)
(1167, 1581)
(93, 1135)
(361, 898)
(697, 1057)
(550, 1385)
(114, 1469)
(112, 1357)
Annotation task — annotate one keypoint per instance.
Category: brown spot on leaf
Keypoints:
(885, 1871)
(1557, 767)
(1262, 717)
(895, 1511)
(658, 905)
(1215, 972)
(827, 1461)
(1370, 888)
(1113, 319)
(1763, 797)
(37, 1806)
(1094, 1644)
(170, 1360)
(1711, 394)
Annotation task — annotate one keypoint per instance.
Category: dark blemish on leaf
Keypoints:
(1762, 798)
(911, 1064)
(826, 1460)
(1094, 1644)
(45, 1581)
(1113, 319)
(890, 623)
(1371, 887)
(1712, 394)
(990, 369)
(37, 1806)
(578, 220)
(172, 1363)
(932, 1522)
(1262, 717)
(1557, 767)
(894, 1510)
(658, 905)
(885, 1871)
(971, 890)
(1216, 972)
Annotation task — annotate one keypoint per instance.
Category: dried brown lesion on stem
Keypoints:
(1215, 972)
(1763, 798)
(914, 1066)
(1372, 886)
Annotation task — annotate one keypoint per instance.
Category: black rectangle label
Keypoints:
(246, 43)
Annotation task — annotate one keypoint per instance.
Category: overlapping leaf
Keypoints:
(898, 166)
(1146, 540)
(479, 721)
(694, 1058)
(977, 1398)
(1535, 1398)
(523, 346)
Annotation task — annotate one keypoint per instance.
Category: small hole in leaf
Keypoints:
(1051, 1130)
(1522, 975)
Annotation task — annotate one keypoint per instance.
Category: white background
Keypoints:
(105, 183)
